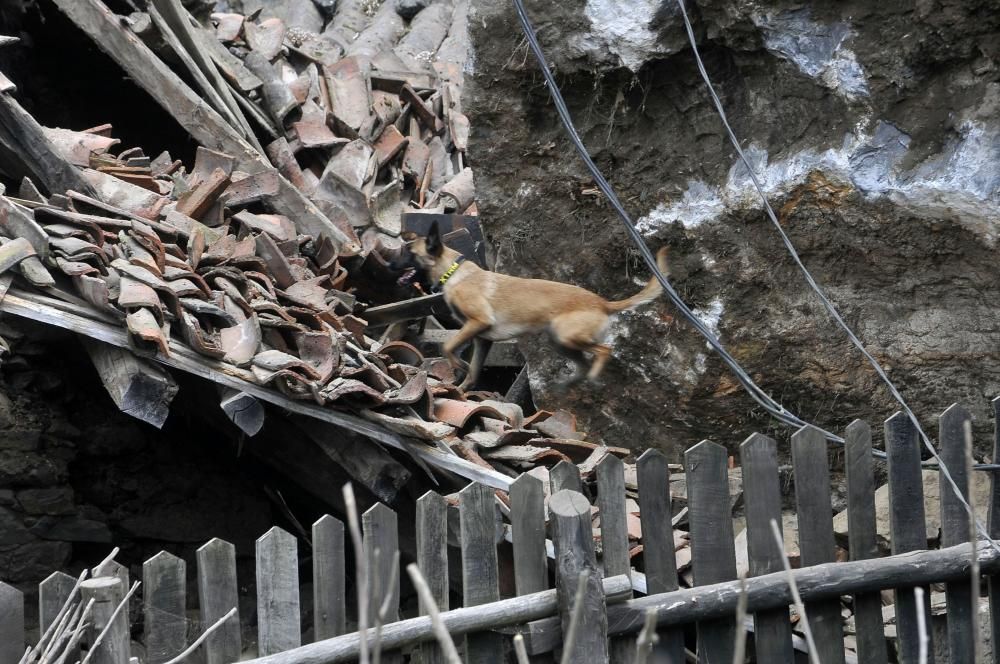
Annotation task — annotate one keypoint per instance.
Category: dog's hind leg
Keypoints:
(601, 355)
(580, 331)
(480, 349)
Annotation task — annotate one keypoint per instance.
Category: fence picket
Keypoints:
(861, 531)
(573, 539)
(565, 475)
(164, 595)
(52, 594)
(712, 552)
(762, 496)
(816, 543)
(381, 542)
(907, 526)
(480, 575)
(659, 561)
(994, 530)
(116, 569)
(527, 515)
(329, 584)
(12, 643)
(107, 593)
(614, 538)
(962, 625)
(217, 596)
(278, 627)
(432, 558)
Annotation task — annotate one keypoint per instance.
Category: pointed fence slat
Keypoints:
(994, 530)
(12, 643)
(278, 626)
(565, 475)
(52, 594)
(480, 576)
(861, 530)
(527, 514)
(107, 593)
(574, 547)
(381, 542)
(217, 596)
(432, 558)
(712, 553)
(614, 538)
(762, 496)
(816, 542)
(329, 584)
(164, 595)
(659, 561)
(962, 625)
(907, 525)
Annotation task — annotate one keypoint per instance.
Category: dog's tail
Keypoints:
(650, 292)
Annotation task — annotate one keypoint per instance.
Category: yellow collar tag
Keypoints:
(447, 274)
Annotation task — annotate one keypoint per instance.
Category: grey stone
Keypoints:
(53, 501)
(410, 8)
(24, 440)
(34, 560)
(72, 529)
(23, 469)
(13, 532)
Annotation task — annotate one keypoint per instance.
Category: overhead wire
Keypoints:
(770, 405)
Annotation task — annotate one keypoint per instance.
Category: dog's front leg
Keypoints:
(468, 332)
(480, 350)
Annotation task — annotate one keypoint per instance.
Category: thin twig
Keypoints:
(99, 570)
(111, 621)
(923, 639)
(201, 639)
(575, 617)
(520, 652)
(383, 609)
(799, 606)
(974, 542)
(740, 647)
(647, 638)
(78, 633)
(440, 631)
(62, 635)
(65, 607)
(351, 506)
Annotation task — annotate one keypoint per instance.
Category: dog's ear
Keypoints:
(434, 246)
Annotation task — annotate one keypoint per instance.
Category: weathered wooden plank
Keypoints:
(762, 497)
(963, 626)
(164, 594)
(816, 543)
(381, 542)
(278, 626)
(329, 580)
(432, 558)
(243, 410)
(12, 637)
(52, 595)
(573, 540)
(861, 532)
(659, 561)
(527, 516)
(417, 307)
(458, 622)
(994, 530)
(137, 386)
(115, 569)
(712, 553)
(217, 596)
(906, 523)
(480, 571)
(614, 538)
(107, 593)
(565, 475)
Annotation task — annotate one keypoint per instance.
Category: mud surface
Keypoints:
(874, 129)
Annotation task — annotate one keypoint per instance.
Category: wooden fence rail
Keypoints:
(552, 542)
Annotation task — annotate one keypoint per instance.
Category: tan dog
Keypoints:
(496, 307)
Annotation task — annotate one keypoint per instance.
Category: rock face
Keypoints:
(874, 130)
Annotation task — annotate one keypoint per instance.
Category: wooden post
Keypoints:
(909, 530)
(12, 638)
(217, 596)
(531, 567)
(816, 543)
(480, 576)
(52, 595)
(164, 593)
(573, 539)
(432, 558)
(614, 538)
(762, 496)
(115, 569)
(381, 534)
(565, 475)
(137, 386)
(659, 561)
(963, 626)
(994, 530)
(862, 533)
(329, 581)
(107, 593)
(712, 553)
(278, 622)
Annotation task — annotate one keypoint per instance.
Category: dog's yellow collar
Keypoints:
(448, 273)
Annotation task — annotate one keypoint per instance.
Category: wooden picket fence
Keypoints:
(616, 599)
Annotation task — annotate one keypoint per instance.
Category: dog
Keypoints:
(497, 307)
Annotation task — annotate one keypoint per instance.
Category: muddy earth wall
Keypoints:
(875, 129)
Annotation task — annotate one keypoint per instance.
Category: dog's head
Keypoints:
(418, 257)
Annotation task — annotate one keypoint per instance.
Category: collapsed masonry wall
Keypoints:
(874, 128)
